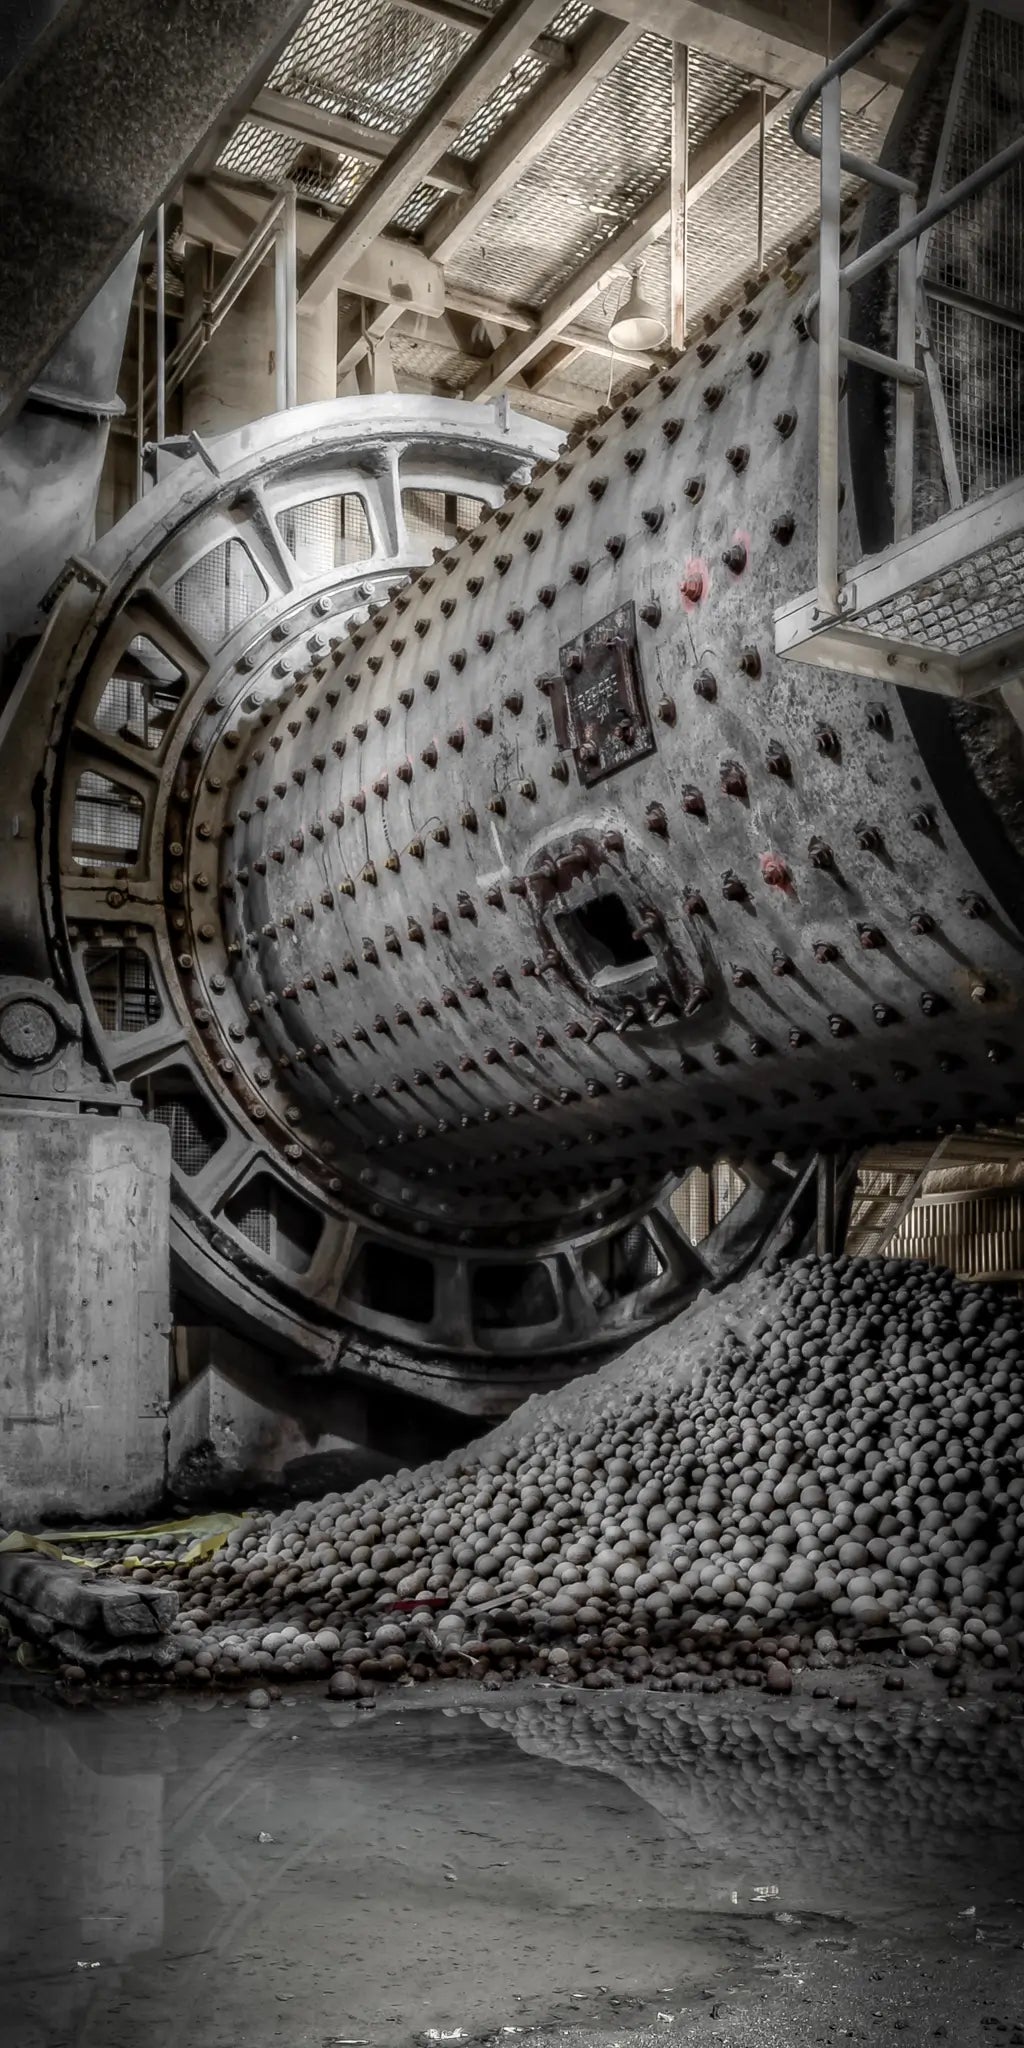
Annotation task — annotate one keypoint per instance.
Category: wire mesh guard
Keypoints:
(220, 592)
(973, 268)
(106, 822)
(326, 533)
(196, 1131)
(142, 696)
(123, 988)
(439, 516)
(704, 1198)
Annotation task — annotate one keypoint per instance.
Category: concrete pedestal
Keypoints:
(84, 1315)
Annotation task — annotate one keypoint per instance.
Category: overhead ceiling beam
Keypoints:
(462, 14)
(487, 61)
(785, 42)
(363, 325)
(543, 116)
(724, 147)
(222, 211)
(319, 129)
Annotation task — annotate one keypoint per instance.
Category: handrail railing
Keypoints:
(824, 307)
(855, 166)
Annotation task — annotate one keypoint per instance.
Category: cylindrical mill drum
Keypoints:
(452, 873)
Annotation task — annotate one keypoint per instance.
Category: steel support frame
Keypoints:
(274, 235)
(104, 114)
(488, 60)
(822, 628)
(725, 146)
(549, 108)
(679, 225)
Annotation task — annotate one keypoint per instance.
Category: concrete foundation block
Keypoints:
(84, 1315)
(88, 1619)
(223, 1441)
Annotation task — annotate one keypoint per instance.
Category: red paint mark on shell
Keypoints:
(695, 583)
(775, 871)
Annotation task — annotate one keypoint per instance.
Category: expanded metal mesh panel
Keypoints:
(219, 592)
(525, 76)
(594, 176)
(619, 1266)
(691, 1204)
(123, 988)
(971, 604)
(255, 1220)
(254, 151)
(722, 251)
(412, 216)
(378, 64)
(105, 822)
(326, 533)
(425, 366)
(283, 1228)
(436, 516)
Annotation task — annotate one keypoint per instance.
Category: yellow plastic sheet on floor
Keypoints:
(18, 1540)
(208, 1533)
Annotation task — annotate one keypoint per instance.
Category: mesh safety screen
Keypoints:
(123, 988)
(219, 592)
(325, 533)
(106, 821)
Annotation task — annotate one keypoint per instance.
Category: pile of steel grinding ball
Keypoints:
(820, 1461)
(901, 1785)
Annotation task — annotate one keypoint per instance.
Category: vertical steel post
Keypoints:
(161, 323)
(289, 247)
(827, 1216)
(830, 257)
(680, 190)
(906, 353)
(140, 386)
(280, 323)
(762, 167)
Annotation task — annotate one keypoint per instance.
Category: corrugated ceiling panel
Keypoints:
(593, 178)
(723, 227)
(378, 64)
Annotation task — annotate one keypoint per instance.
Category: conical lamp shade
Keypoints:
(637, 324)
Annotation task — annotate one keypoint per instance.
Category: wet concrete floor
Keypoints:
(521, 1867)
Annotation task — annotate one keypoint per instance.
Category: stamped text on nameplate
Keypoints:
(598, 704)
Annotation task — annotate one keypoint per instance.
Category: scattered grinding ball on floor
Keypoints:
(820, 1460)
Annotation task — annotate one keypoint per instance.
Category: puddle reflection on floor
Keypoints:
(615, 1867)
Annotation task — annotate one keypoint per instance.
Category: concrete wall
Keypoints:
(84, 1221)
(224, 1442)
(234, 381)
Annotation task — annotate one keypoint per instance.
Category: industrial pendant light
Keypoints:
(637, 324)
